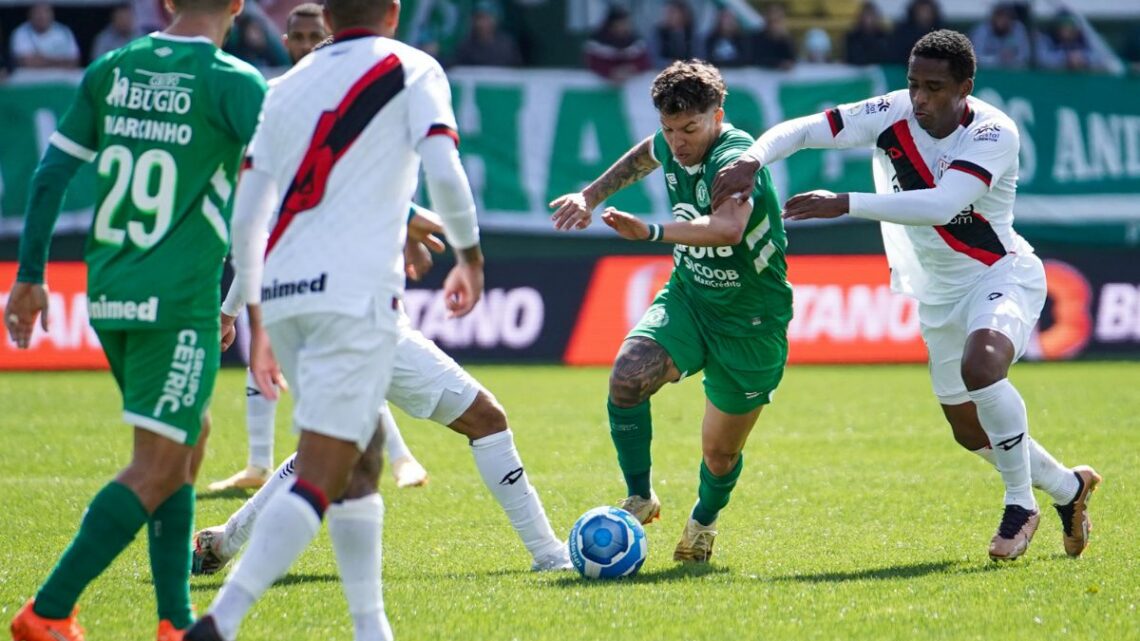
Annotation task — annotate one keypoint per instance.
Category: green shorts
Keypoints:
(166, 377)
(741, 372)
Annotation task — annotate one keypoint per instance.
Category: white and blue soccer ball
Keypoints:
(606, 543)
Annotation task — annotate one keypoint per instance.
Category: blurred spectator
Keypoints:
(304, 30)
(250, 43)
(277, 12)
(675, 33)
(151, 15)
(43, 43)
(121, 31)
(773, 47)
(1066, 47)
(1002, 41)
(615, 51)
(727, 45)
(487, 45)
(869, 41)
(922, 17)
(817, 46)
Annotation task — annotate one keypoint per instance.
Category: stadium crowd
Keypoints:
(618, 46)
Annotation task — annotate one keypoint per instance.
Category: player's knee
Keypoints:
(484, 417)
(625, 389)
(720, 462)
(982, 371)
(365, 478)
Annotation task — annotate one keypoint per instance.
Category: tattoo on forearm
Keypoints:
(637, 163)
(641, 368)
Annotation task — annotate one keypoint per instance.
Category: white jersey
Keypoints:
(338, 134)
(938, 264)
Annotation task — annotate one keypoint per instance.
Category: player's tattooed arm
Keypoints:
(574, 211)
(637, 163)
(641, 368)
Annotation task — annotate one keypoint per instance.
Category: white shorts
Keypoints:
(426, 382)
(339, 368)
(1008, 299)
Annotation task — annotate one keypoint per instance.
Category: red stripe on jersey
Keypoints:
(906, 141)
(444, 130)
(835, 120)
(335, 132)
(981, 243)
(974, 170)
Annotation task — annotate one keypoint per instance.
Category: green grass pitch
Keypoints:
(856, 517)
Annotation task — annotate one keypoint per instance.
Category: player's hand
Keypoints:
(734, 180)
(229, 333)
(26, 301)
(263, 364)
(572, 211)
(423, 227)
(626, 225)
(462, 288)
(815, 204)
(417, 259)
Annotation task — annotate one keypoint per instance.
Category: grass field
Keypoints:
(856, 517)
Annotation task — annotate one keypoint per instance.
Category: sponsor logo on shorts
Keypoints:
(103, 309)
(294, 288)
(184, 378)
(751, 395)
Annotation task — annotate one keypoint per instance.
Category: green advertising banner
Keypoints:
(531, 135)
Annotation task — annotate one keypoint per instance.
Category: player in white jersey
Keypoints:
(426, 383)
(328, 280)
(945, 167)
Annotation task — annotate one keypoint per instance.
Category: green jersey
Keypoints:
(739, 288)
(165, 119)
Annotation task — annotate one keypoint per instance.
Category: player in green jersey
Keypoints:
(725, 309)
(165, 119)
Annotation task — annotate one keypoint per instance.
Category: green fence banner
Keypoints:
(531, 135)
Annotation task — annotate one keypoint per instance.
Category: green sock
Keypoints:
(631, 429)
(714, 491)
(112, 519)
(170, 528)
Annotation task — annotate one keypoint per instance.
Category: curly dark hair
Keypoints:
(951, 46)
(688, 86)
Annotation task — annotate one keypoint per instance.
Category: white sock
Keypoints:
(290, 523)
(1054, 479)
(1002, 415)
(502, 471)
(260, 414)
(394, 445)
(355, 527)
(240, 523)
(1047, 474)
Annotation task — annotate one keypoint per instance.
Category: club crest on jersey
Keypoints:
(656, 316)
(702, 194)
(671, 180)
(989, 132)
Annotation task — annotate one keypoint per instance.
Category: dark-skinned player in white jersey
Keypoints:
(946, 166)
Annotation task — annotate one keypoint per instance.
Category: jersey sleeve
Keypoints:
(240, 95)
(429, 106)
(858, 124)
(991, 151)
(659, 148)
(78, 131)
(260, 153)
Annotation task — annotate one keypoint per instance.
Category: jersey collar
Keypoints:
(353, 34)
(166, 36)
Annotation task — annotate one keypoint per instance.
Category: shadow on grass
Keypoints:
(231, 493)
(679, 572)
(214, 583)
(905, 571)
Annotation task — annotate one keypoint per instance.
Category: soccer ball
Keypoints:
(606, 543)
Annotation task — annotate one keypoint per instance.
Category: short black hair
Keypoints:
(953, 47)
(688, 86)
(356, 13)
(305, 10)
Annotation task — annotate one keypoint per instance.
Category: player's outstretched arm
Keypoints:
(923, 207)
(725, 227)
(574, 211)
